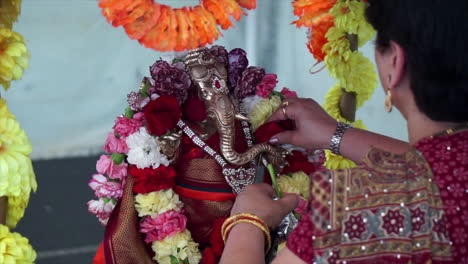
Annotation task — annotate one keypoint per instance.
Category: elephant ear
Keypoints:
(194, 110)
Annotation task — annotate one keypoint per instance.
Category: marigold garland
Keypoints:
(9, 12)
(164, 28)
(18, 177)
(15, 248)
(14, 56)
(353, 71)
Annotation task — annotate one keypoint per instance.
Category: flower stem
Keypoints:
(274, 183)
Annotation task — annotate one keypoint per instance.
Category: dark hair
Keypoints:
(434, 35)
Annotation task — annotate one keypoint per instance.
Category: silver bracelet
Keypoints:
(336, 138)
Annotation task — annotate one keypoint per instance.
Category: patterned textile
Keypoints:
(409, 208)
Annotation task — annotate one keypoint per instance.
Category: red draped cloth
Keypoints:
(410, 208)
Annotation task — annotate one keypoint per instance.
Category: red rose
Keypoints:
(152, 180)
(267, 130)
(162, 115)
(194, 110)
(298, 162)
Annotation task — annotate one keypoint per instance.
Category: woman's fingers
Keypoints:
(286, 137)
(288, 202)
(289, 106)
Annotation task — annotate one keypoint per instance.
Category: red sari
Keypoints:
(409, 208)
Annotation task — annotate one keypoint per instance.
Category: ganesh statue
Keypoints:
(177, 159)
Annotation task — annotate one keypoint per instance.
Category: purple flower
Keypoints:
(136, 101)
(220, 53)
(170, 80)
(238, 62)
(247, 85)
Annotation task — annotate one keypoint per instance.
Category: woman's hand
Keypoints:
(257, 199)
(314, 126)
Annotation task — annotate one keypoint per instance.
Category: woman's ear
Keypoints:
(397, 64)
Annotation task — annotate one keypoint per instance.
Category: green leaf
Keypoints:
(117, 158)
(129, 112)
(144, 88)
(273, 93)
(174, 260)
(105, 199)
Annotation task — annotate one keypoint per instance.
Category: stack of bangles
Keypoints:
(250, 219)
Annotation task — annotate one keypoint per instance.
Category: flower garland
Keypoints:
(17, 175)
(338, 28)
(157, 110)
(164, 28)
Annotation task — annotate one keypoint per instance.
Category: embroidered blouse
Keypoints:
(409, 208)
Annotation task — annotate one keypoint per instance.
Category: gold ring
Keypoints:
(283, 108)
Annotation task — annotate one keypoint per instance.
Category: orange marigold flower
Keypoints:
(312, 12)
(317, 39)
(248, 4)
(164, 28)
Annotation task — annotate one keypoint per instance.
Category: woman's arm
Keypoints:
(356, 143)
(315, 128)
(245, 244)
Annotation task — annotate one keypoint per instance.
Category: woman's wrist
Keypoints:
(337, 137)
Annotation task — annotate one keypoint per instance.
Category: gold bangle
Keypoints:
(246, 218)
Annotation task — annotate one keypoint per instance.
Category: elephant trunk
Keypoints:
(222, 110)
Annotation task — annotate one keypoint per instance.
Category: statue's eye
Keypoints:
(199, 71)
(221, 68)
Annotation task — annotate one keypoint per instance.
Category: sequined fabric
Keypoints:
(410, 208)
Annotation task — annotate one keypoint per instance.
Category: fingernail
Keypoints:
(273, 140)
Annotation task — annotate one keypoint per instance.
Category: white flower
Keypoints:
(144, 150)
(250, 102)
(101, 209)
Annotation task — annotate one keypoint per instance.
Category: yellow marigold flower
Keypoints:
(14, 56)
(355, 73)
(155, 203)
(263, 110)
(297, 183)
(18, 177)
(337, 48)
(332, 102)
(335, 162)
(9, 12)
(14, 248)
(4, 111)
(349, 17)
(180, 246)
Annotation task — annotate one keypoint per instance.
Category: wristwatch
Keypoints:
(337, 136)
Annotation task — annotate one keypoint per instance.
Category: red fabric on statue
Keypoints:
(99, 258)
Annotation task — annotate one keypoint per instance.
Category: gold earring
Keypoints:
(388, 101)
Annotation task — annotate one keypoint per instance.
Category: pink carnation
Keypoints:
(139, 116)
(104, 188)
(125, 126)
(288, 93)
(115, 145)
(267, 85)
(105, 165)
(101, 209)
(164, 225)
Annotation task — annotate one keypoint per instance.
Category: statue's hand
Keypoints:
(277, 158)
(170, 145)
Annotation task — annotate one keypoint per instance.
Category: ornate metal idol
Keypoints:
(210, 78)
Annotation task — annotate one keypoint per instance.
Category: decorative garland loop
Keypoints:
(164, 28)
